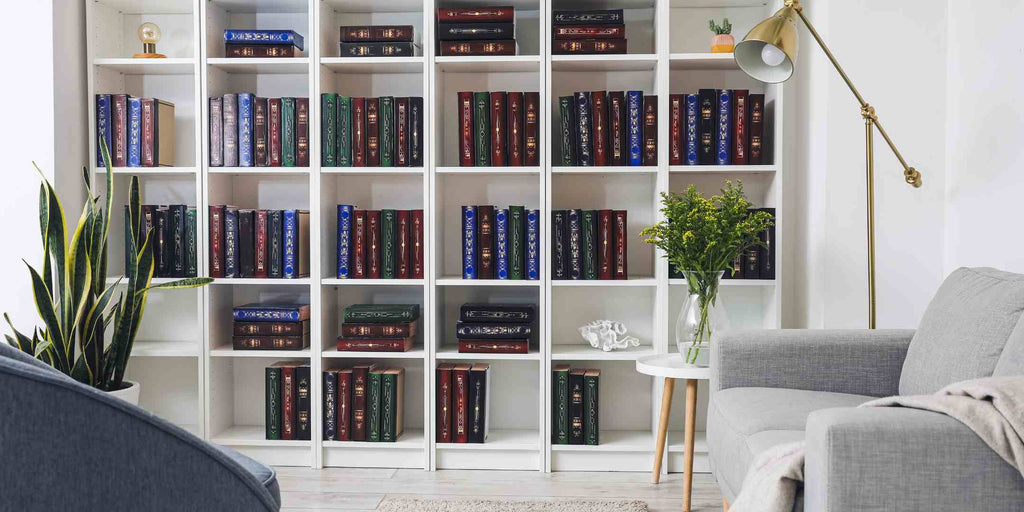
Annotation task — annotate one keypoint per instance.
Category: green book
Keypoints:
(273, 402)
(591, 433)
(373, 405)
(388, 252)
(388, 401)
(191, 260)
(565, 104)
(560, 405)
(328, 129)
(288, 132)
(482, 128)
(381, 313)
(589, 245)
(344, 131)
(516, 241)
(387, 131)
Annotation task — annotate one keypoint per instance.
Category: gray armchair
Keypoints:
(773, 387)
(66, 446)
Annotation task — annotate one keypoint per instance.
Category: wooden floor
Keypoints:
(304, 489)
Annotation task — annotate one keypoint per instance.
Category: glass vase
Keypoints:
(701, 317)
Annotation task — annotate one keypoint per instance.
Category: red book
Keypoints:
(466, 152)
(372, 132)
(350, 330)
(119, 129)
(259, 114)
(261, 243)
(402, 132)
(740, 113)
(375, 344)
(616, 128)
(531, 129)
(650, 147)
(485, 242)
(216, 240)
(148, 132)
(301, 132)
(288, 392)
(460, 403)
(599, 115)
(402, 245)
(588, 46)
(261, 50)
(444, 402)
(500, 47)
(360, 376)
(344, 403)
(675, 129)
(358, 132)
(516, 129)
(476, 14)
(621, 269)
(605, 239)
(499, 125)
(416, 243)
(494, 346)
(274, 130)
(375, 33)
(373, 244)
(755, 156)
(358, 244)
(589, 32)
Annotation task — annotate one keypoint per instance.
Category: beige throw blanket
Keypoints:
(992, 407)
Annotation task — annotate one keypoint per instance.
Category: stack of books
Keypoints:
(287, 401)
(173, 236)
(463, 410)
(139, 132)
(377, 41)
(246, 131)
(258, 243)
(378, 327)
(271, 326)
(574, 406)
(262, 43)
(500, 243)
(587, 32)
(363, 403)
(589, 244)
(755, 262)
(601, 128)
(379, 244)
(498, 129)
(371, 132)
(495, 328)
(717, 127)
(476, 31)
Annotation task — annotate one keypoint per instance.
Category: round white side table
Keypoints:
(672, 367)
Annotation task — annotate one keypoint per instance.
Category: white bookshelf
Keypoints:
(183, 357)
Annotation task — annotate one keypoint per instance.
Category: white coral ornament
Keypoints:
(605, 334)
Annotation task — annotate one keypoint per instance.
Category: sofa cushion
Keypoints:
(1011, 362)
(964, 329)
(266, 475)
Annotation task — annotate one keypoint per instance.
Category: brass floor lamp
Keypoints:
(767, 53)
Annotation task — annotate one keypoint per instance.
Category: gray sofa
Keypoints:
(66, 446)
(771, 387)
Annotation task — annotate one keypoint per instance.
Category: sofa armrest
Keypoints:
(862, 362)
(891, 458)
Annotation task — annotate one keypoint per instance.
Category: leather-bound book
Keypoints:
(588, 17)
(475, 31)
(575, 249)
(289, 388)
(216, 241)
(766, 254)
(706, 123)
(416, 133)
(360, 381)
(460, 406)
(176, 240)
(621, 264)
(650, 130)
(478, 374)
(246, 243)
(515, 154)
(559, 244)
(216, 132)
(342, 132)
(567, 124)
(375, 344)
(589, 244)
(589, 32)
(605, 244)
(755, 155)
(494, 346)
(301, 132)
(350, 330)
(296, 342)
(591, 423)
(261, 152)
(444, 402)
(373, 244)
(245, 130)
(275, 243)
(229, 104)
(344, 413)
(388, 243)
(493, 331)
(675, 129)
(359, 132)
(584, 129)
(482, 128)
(377, 49)
(475, 14)
(359, 244)
(576, 411)
(516, 242)
(617, 121)
(485, 241)
(469, 245)
(372, 132)
(499, 127)
(261, 244)
(560, 404)
(402, 248)
(402, 132)
(148, 132)
(119, 130)
(740, 132)
(723, 127)
(373, 33)
(272, 405)
(417, 244)
(386, 120)
(467, 155)
(531, 129)
(588, 46)
(599, 115)
(477, 312)
(288, 132)
(502, 47)
(273, 131)
(330, 411)
(270, 328)
(261, 50)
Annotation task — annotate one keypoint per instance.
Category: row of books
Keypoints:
(601, 128)
(258, 243)
(495, 328)
(262, 43)
(717, 127)
(574, 405)
(377, 41)
(287, 400)
(371, 132)
(463, 410)
(378, 327)
(589, 244)
(499, 128)
(247, 131)
(173, 237)
(363, 403)
(589, 31)
(476, 30)
(500, 243)
(270, 326)
(139, 132)
(379, 244)
(755, 262)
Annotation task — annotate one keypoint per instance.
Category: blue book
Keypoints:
(134, 132)
(501, 243)
(263, 37)
(634, 114)
(291, 240)
(344, 239)
(692, 111)
(469, 242)
(271, 312)
(584, 133)
(103, 127)
(533, 244)
(231, 242)
(245, 129)
(723, 133)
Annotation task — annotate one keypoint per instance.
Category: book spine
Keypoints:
(261, 51)
(650, 130)
(382, 313)
(467, 155)
(266, 315)
(485, 242)
(260, 253)
(360, 375)
(304, 409)
(148, 132)
(373, 407)
(444, 403)
(560, 406)
(501, 244)
(343, 132)
(493, 331)
(575, 251)
(275, 238)
(230, 242)
(599, 117)
(344, 413)
(493, 347)
(359, 244)
(371, 345)
(499, 129)
(755, 155)
(634, 112)
(766, 253)
(273, 403)
(388, 397)
(290, 237)
(706, 126)
(134, 132)
(515, 117)
(589, 32)
(692, 137)
(531, 129)
(491, 313)
(377, 49)
(482, 129)
(416, 243)
(161, 252)
(502, 47)
(568, 128)
(344, 240)
(263, 37)
(274, 131)
(588, 244)
(469, 243)
(350, 330)
(477, 405)
(591, 425)
(387, 130)
(371, 33)
(216, 132)
(617, 128)
(270, 328)
(516, 242)
(559, 243)
(402, 248)
(373, 244)
(288, 133)
(740, 134)
(177, 240)
(191, 243)
(261, 153)
(216, 241)
(230, 110)
(270, 342)
(388, 243)
(575, 407)
(588, 17)
(119, 129)
(447, 31)
(330, 411)
(723, 128)
(288, 418)
(373, 141)
(359, 132)
(245, 130)
(103, 127)
(605, 241)
(621, 267)
(302, 132)
(416, 133)
(476, 14)
(584, 130)
(675, 129)
(402, 132)
(532, 269)
(588, 46)
(460, 421)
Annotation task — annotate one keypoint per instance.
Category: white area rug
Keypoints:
(460, 505)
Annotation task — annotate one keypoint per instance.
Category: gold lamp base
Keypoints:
(149, 56)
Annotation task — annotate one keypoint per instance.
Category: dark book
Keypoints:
(163, 134)
(119, 130)
(298, 342)
(567, 123)
(584, 129)
(373, 404)
(161, 234)
(295, 237)
(575, 250)
(260, 252)
(476, 14)
(650, 150)
(216, 240)
(272, 407)
(493, 331)
(416, 243)
(330, 411)
(474, 312)
(372, 132)
(501, 243)
(532, 270)
(635, 125)
(391, 403)
(516, 242)
(469, 242)
(289, 419)
(576, 408)
(589, 32)
(676, 149)
(560, 404)
(103, 126)
(494, 346)
(723, 127)
(478, 374)
(302, 132)
(149, 123)
(343, 132)
(216, 132)
(344, 413)
(375, 344)
(273, 131)
(740, 133)
(358, 132)
(588, 46)
(289, 132)
(230, 241)
(617, 126)
(360, 378)
(766, 254)
(261, 149)
(359, 244)
(531, 129)
(499, 127)
(599, 119)
(191, 242)
(245, 129)
(460, 403)
(621, 264)
(706, 123)
(261, 50)
(250, 36)
(271, 312)
(559, 244)
(605, 244)
(588, 244)
(381, 313)
(515, 152)
(502, 47)
(134, 132)
(270, 328)
(691, 135)
(482, 128)
(755, 156)
(402, 132)
(485, 242)
(377, 49)
(386, 120)
(275, 243)
(591, 423)
(444, 402)
(416, 133)
(373, 244)
(351, 330)
(588, 17)
(467, 153)
(465, 31)
(402, 249)
(176, 240)
(246, 243)
(373, 33)
(388, 243)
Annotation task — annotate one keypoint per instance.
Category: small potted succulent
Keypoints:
(722, 41)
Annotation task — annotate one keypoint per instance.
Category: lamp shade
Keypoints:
(768, 51)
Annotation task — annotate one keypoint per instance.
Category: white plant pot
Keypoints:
(129, 394)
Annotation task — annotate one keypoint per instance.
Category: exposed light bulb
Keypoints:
(772, 56)
(149, 33)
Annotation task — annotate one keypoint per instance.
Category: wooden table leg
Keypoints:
(691, 413)
(666, 406)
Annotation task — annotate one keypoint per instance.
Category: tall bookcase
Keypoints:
(188, 371)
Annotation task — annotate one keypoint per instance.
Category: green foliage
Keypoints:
(724, 28)
(70, 294)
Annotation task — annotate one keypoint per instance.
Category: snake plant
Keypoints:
(70, 293)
